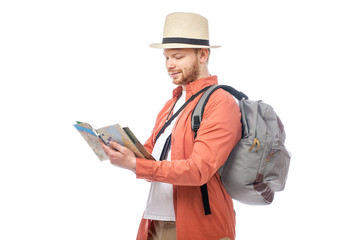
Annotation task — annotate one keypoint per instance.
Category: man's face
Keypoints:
(182, 65)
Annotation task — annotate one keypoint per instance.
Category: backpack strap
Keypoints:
(200, 106)
(196, 119)
(168, 122)
(166, 148)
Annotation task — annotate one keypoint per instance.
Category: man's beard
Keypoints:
(189, 74)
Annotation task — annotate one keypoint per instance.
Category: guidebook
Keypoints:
(115, 133)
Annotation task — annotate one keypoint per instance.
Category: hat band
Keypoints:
(192, 41)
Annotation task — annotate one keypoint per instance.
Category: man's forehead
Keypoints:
(172, 51)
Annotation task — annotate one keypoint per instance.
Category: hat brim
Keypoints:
(179, 45)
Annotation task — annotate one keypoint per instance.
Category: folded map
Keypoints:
(115, 133)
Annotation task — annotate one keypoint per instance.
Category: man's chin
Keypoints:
(178, 81)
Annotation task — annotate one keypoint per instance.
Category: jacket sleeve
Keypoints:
(220, 130)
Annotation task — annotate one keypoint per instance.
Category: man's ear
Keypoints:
(204, 54)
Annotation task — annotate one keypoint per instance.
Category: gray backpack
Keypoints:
(258, 165)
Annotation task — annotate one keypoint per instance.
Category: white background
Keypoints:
(62, 61)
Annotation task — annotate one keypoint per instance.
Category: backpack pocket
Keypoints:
(276, 169)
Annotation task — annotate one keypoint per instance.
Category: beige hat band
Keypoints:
(192, 41)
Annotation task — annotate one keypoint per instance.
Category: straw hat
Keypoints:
(185, 30)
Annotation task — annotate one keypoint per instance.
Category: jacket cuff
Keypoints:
(144, 168)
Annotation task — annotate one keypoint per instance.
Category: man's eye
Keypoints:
(178, 57)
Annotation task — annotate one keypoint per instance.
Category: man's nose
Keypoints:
(169, 64)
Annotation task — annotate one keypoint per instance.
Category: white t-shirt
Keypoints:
(160, 205)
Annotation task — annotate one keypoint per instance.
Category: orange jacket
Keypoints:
(195, 162)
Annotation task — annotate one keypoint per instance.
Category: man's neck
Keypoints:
(200, 77)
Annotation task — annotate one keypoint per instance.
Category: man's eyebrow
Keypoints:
(172, 54)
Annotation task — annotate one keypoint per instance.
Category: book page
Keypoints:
(87, 132)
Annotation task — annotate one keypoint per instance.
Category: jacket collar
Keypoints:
(195, 86)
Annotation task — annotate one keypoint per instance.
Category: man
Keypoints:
(175, 207)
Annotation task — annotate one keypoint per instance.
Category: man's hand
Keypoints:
(120, 156)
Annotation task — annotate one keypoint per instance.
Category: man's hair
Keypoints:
(196, 50)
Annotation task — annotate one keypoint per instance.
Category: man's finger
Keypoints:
(116, 146)
(102, 144)
(105, 148)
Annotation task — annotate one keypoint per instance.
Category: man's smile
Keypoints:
(174, 74)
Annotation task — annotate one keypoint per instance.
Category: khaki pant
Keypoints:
(164, 230)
